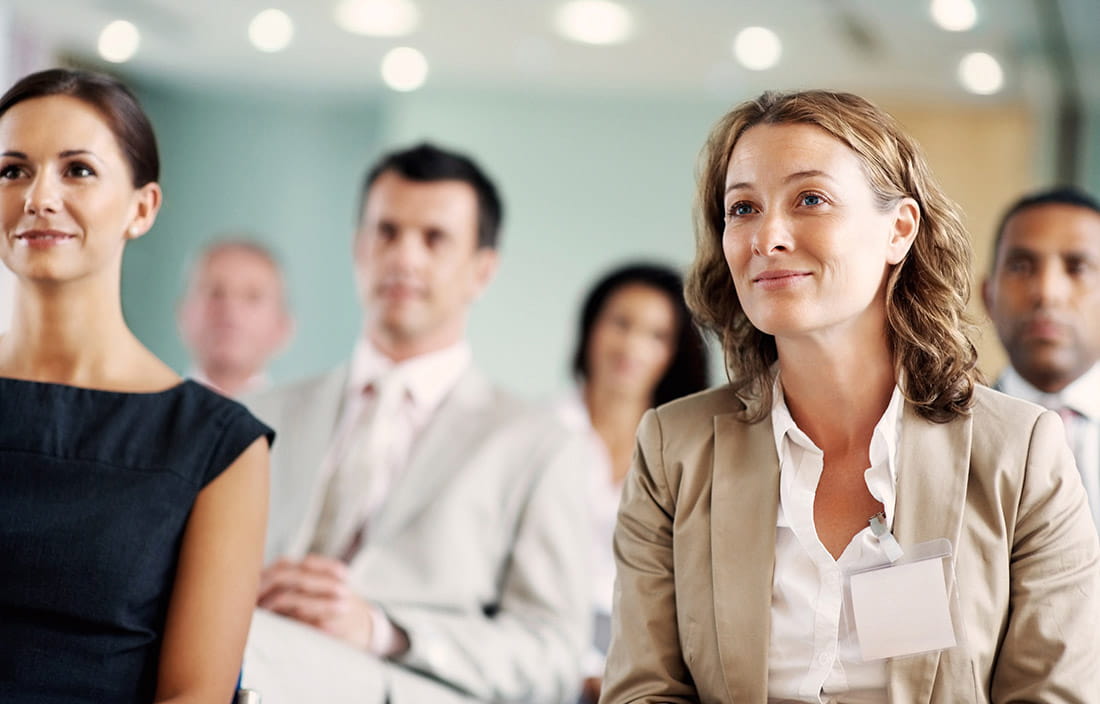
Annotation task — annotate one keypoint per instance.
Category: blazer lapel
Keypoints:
(744, 506)
(309, 443)
(449, 438)
(933, 469)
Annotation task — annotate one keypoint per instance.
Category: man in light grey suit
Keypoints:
(427, 531)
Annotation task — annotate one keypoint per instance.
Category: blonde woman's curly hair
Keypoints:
(926, 293)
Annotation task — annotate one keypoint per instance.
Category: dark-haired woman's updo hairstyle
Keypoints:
(687, 371)
(114, 101)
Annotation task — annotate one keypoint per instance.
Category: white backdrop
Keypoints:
(19, 54)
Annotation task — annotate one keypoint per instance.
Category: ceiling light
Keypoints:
(980, 73)
(404, 69)
(757, 48)
(377, 18)
(954, 15)
(271, 30)
(119, 41)
(594, 22)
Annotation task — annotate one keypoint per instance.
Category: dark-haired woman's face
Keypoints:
(67, 201)
(632, 342)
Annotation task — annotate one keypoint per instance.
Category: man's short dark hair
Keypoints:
(426, 162)
(1059, 195)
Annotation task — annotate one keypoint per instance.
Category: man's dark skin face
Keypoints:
(1044, 293)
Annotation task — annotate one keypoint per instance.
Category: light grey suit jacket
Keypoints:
(478, 553)
(695, 547)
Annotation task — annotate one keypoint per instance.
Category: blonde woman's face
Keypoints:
(807, 247)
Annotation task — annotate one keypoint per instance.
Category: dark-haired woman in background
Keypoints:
(132, 504)
(636, 348)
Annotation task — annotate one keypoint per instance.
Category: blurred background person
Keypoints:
(132, 503)
(637, 348)
(234, 315)
(1043, 295)
(854, 433)
(428, 536)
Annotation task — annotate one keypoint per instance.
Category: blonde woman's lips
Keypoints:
(779, 278)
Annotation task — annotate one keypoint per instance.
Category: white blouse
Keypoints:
(813, 655)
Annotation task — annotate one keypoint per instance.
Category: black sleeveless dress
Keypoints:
(95, 491)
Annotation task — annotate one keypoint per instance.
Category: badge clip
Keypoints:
(885, 538)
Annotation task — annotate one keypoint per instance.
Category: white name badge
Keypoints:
(905, 608)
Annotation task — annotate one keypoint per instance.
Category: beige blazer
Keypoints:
(695, 547)
(479, 552)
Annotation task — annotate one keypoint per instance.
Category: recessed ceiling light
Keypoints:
(757, 48)
(119, 41)
(981, 74)
(594, 22)
(377, 18)
(404, 69)
(954, 15)
(271, 30)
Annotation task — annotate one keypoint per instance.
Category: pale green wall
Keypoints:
(285, 168)
(587, 182)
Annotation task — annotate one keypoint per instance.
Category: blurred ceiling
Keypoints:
(885, 48)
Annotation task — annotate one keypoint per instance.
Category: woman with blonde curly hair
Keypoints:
(854, 518)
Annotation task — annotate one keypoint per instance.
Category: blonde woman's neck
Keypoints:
(837, 395)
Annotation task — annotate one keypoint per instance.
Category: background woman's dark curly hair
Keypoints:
(687, 371)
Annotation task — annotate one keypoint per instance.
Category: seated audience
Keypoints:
(636, 348)
(853, 518)
(132, 503)
(1043, 295)
(429, 532)
(233, 317)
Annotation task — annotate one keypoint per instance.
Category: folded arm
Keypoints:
(645, 663)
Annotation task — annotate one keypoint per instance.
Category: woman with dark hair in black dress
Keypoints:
(132, 503)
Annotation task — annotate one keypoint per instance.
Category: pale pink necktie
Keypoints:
(1069, 420)
(363, 474)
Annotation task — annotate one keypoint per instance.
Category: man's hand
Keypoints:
(316, 592)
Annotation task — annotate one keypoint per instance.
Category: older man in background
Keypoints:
(233, 317)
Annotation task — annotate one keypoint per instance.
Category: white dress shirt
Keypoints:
(427, 379)
(1082, 428)
(604, 496)
(813, 655)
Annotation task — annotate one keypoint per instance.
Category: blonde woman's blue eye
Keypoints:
(812, 199)
(741, 208)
